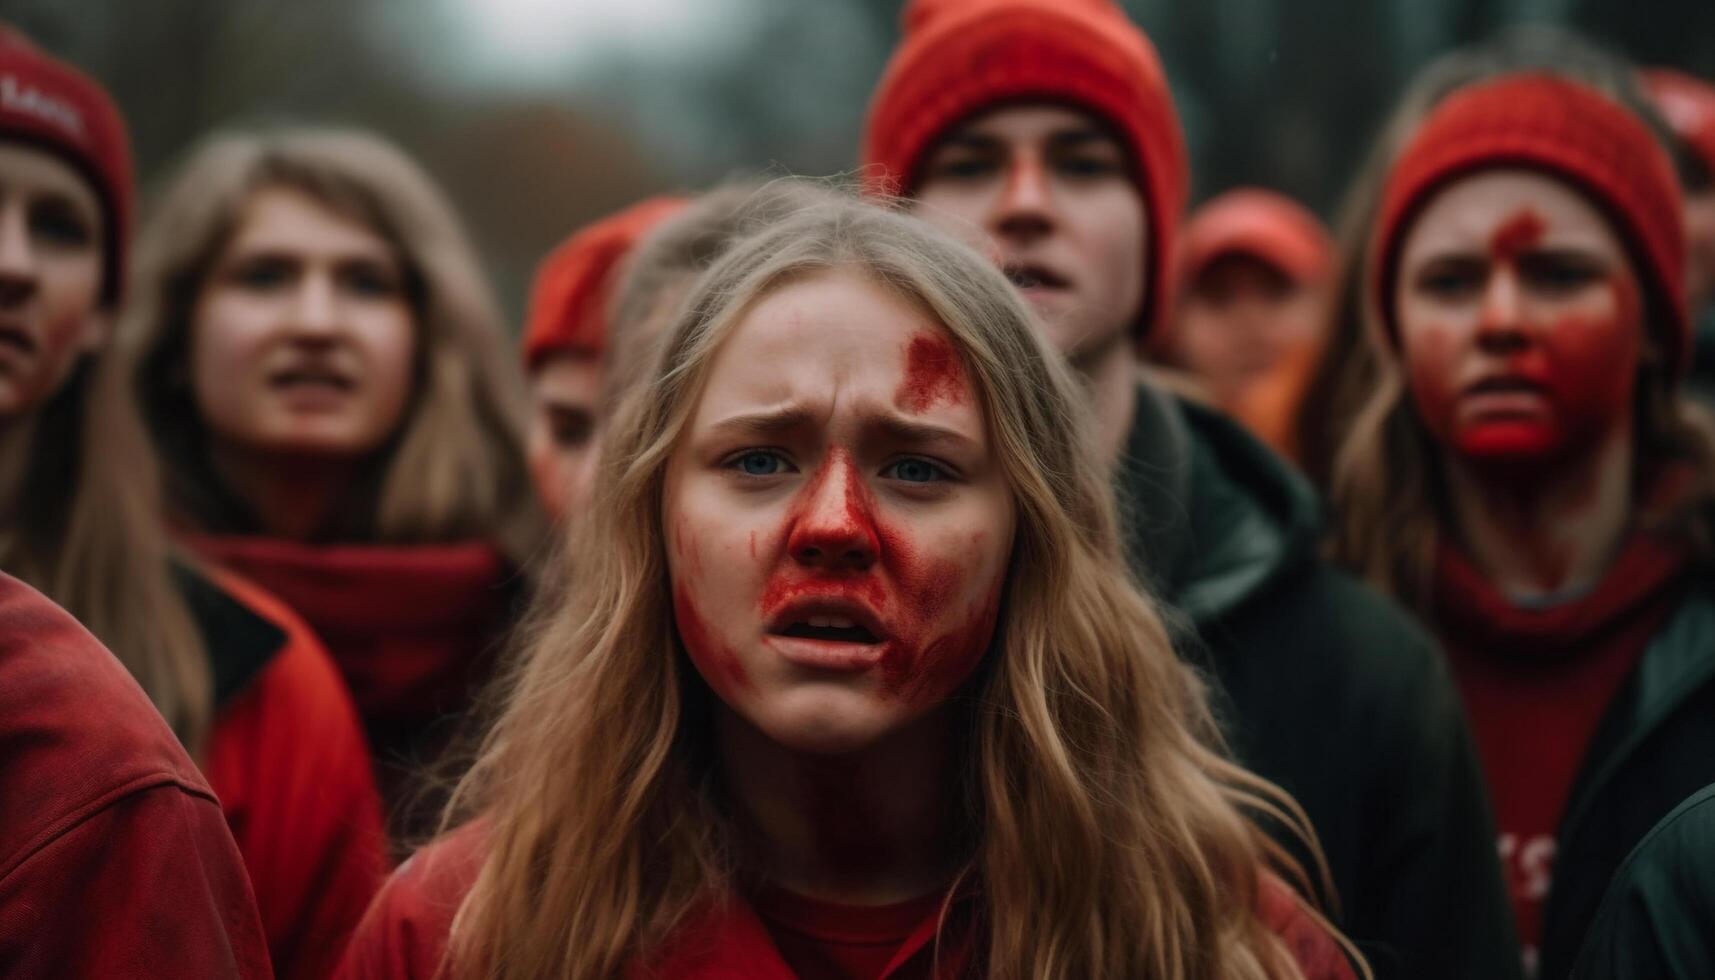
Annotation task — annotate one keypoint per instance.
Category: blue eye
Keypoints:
(758, 463)
(916, 471)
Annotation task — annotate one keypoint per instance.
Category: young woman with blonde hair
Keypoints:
(323, 371)
(238, 676)
(1526, 475)
(852, 679)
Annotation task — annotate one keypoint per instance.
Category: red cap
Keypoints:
(1688, 105)
(568, 299)
(1259, 223)
(961, 56)
(1547, 123)
(49, 103)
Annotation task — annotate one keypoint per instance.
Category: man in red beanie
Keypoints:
(565, 340)
(1253, 273)
(1043, 131)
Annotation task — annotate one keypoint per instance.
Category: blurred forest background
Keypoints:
(538, 115)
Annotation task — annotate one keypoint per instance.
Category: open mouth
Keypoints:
(1029, 275)
(311, 378)
(836, 629)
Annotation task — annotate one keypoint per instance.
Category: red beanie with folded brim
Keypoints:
(1563, 129)
(959, 57)
(569, 296)
(1688, 105)
(48, 103)
(1259, 223)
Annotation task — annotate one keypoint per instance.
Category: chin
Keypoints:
(1511, 442)
(820, 723)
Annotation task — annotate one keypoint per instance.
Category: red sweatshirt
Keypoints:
(411, 629)
(115, 860)
(405, 932)
(291, 767)
(1536, 682)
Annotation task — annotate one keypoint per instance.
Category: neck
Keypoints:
(1110, 375)
(1535, 532)
(872, 827)
(299, 498)
(17, 443)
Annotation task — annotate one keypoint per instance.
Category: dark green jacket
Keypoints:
(1653, 748)
(1324, 688)
(1658, 920)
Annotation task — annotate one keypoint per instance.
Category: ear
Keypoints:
(96, 331)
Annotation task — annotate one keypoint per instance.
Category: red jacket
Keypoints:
(115, 860)
(405, 932)
(291, 767)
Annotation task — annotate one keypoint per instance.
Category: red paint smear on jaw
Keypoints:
(933, 373)
(719, 665)
(1517, 235)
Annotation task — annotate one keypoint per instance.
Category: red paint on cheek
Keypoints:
(718, 664)
(933, 373)
(1520, 233)
(928, 661)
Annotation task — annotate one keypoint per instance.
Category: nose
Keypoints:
(1500, 319)
(834, 529)
(315, 309)
(18, 274)
(1024, 210)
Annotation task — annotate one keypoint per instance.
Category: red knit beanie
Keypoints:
(46, 102)
(1261, 223)
(1688, 105)
(568, 299)
(1565, 129)
(958, 57)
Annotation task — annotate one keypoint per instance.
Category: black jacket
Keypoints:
(1658, 920)
(1323, 687)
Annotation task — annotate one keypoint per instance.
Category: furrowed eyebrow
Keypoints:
(909, 432)
(768, 422)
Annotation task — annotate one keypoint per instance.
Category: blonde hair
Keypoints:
(1106, 832)
(1384, 473)
(455, 467)
(88, 534)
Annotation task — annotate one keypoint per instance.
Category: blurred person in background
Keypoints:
(1045, 132)
(1345, 373)
(565, 346)
(1252, 289)
(1526, 476)
(241, 679)
(115, 858)
(322, 369)
(853, 569)
(1687, 104)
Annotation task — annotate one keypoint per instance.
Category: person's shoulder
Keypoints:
(76, 732)
(404, 933)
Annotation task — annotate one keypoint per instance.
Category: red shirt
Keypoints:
(405, 932)
(1536, 682)
(115, 860)
(290, 765)
(827, 941)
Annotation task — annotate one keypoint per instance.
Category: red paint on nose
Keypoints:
(1517, 235)
(818, 533)
(933, 373)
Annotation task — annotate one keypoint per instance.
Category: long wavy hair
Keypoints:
(454, 469)
(1387, 488)
(1108, 834)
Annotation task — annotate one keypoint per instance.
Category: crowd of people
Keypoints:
(976, 568)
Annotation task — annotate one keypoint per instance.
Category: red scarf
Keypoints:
(409, 626)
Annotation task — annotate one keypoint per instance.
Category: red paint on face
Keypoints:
(933, 373)
(865, 559)
(717, 662)
(1517, 235)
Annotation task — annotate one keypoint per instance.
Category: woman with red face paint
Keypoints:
(854, 571)
(565, 348)
(1526, 475)
(239, 678)
(322, 369)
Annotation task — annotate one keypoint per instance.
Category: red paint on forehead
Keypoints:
(933, 373)
(1517, 235)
